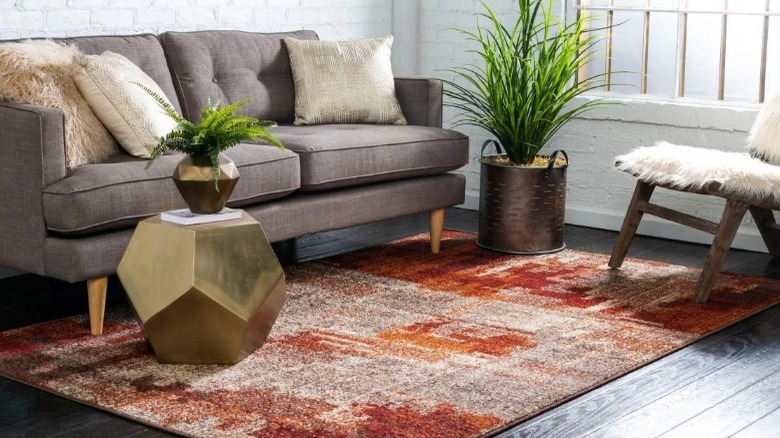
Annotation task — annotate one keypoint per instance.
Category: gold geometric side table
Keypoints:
(206, 293)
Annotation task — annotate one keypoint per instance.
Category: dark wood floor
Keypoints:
(727, 384)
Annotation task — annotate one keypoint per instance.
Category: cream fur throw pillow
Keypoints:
(41, 73)
(108, 83)
(764, 138)
(344, 81)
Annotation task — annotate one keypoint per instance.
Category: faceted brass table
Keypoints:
(206, 293)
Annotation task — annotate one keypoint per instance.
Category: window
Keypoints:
(725, 50)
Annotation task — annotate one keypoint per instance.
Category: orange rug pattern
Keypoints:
(395, 341)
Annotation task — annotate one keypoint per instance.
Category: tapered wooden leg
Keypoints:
(765, 221)
(96, 289)
(437, 223)
(642, 193)
(727, 229)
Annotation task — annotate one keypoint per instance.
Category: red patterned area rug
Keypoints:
(395, 341)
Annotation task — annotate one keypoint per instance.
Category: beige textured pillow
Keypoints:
(344, 81)
(40, 72)
(107, 82)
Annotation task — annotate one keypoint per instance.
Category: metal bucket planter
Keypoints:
(521, 209)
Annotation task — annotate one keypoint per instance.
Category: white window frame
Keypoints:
(572, 8)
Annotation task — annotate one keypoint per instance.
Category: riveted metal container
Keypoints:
(521, 209)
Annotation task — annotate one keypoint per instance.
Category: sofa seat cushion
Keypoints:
(348, 155)
(120, 192)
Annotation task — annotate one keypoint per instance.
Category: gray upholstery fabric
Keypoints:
(119, 193)
(304, 213)
(230, 65)
(77, 259)
(420, 99)
(143, 50)
(31, 142)
(348, 155)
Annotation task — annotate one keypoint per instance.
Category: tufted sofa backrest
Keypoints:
(144, 50)
(230, 65)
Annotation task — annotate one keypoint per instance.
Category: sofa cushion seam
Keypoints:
(92, 189)
(377, 145)
(175, 75)
(136, 216)
(388, 172)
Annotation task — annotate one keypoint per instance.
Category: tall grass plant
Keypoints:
(522, 89)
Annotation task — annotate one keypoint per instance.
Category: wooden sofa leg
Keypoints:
(437, 223)
(96, 289)
(727, 229)
(642, 193)
(765, 221)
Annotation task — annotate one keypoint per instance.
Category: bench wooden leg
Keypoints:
(437, 224)
(642, 193)
(727, 229)
(96, 290)
(765, 221)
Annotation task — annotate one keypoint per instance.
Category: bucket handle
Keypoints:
(487, 143)
(551, 163)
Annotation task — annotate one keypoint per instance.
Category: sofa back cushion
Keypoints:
(143, 50)
(229, 65)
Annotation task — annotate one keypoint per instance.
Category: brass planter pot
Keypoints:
(521, 209)
(194, 177)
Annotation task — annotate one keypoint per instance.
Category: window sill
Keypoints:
(655, 110)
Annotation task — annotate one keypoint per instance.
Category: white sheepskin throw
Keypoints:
(41, 73)
(739, 174)
(764, 138)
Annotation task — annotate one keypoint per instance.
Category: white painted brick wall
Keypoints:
(331, 19)
(597, 194)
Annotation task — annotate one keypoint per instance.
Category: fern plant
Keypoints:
(219, 129)
(522, 89)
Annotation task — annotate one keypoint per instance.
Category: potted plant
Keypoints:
(206, 177)
(521, 92)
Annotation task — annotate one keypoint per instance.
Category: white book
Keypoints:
(186, 217)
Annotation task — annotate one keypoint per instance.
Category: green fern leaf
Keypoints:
(219, 129)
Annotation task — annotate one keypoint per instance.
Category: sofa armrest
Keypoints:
(420, 99)
(33, 147)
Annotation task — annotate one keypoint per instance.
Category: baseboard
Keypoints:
(746, 238)
(6, 272)
(471, 203)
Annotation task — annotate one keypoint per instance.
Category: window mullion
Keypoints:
(645, 48)
(682, 49)
(608, 60)
(582, 13)
(764, 45)
(724, 27)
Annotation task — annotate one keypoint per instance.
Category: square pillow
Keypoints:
(108, 83)
(344, 81)
(40, 72)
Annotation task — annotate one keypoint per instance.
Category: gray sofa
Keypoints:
(74, 225)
